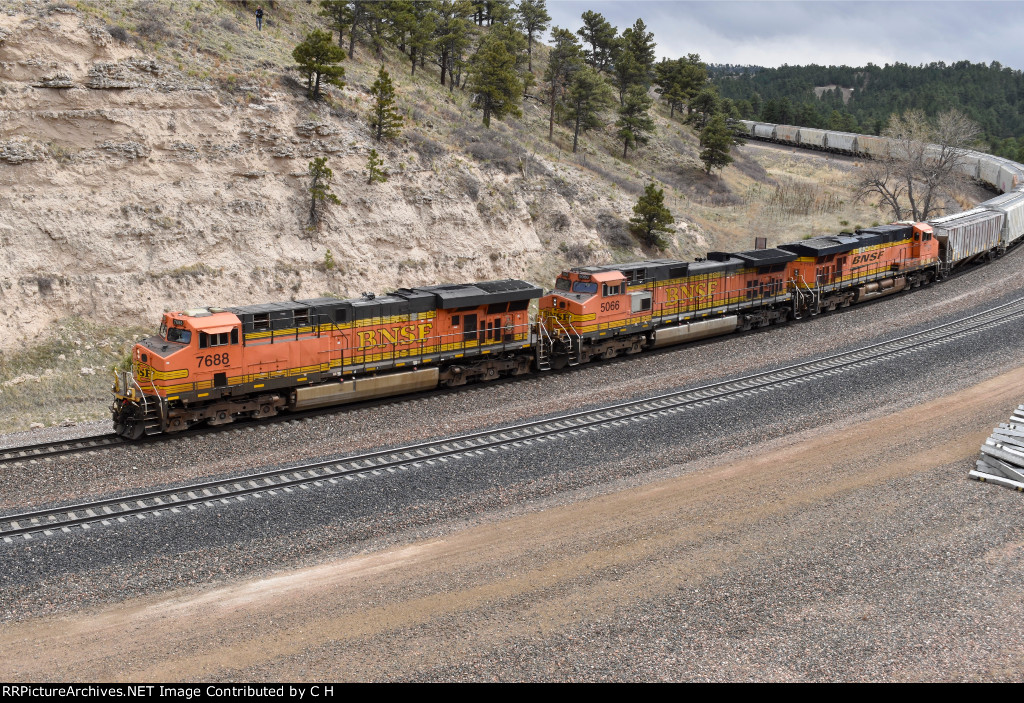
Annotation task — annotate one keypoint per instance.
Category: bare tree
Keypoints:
(923, 164)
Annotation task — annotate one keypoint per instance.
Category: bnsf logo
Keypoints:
(694, 290)
(395, 335)
(867, 258)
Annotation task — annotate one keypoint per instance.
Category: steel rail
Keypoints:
(42, 450)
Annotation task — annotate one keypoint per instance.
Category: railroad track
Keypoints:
(44, 450)
(65, 446)
(425, 454)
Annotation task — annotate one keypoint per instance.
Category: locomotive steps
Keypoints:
(425, 454)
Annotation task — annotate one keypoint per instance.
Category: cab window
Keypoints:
(584, 287)
(215, 340)
(562, 283)
(179, 336)
(612, 290)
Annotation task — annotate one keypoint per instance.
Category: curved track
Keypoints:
(192, 496)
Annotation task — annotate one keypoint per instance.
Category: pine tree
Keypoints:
(651, 218)
(634, 124)
(318, 58)
(493, 80)
(357, 26)
(588, 94)
(451, 36)
(320, 190)
(627, 72)
(715, 140)
(600, 34)
(640, 44)
(339, 16)
(374, 172)
(670, 86)
(384, 120)
(421, 32)
(692, 76)
(565, 58)
(704, 106)
(535, 18)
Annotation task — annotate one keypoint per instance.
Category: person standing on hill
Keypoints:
(259, 18)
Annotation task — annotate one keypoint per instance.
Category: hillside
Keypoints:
(153, 156)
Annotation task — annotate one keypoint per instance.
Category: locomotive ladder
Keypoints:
(575, 350)
(543, 348)
(810, 294)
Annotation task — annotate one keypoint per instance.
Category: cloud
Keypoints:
(798, 33)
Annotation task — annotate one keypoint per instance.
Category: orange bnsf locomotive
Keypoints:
(216, 365)
(624, 308)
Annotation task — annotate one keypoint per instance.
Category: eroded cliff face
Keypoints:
(129, 186)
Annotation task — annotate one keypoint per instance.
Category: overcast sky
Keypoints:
(772, 33)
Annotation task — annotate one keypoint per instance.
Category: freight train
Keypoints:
(217, 365)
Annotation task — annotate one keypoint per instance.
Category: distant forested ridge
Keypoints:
(992, 95)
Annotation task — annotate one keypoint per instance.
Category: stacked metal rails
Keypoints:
(1002, 455)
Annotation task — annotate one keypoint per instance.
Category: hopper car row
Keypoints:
(218, 365)
(1000, 173)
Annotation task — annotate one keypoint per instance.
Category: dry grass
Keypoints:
(790, 197)
(64, 376)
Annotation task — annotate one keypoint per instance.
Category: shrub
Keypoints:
(613, 230)
(119, 33)
(427, 148)
(576, 252)
(471, 186)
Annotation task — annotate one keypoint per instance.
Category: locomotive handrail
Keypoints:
(161, 403)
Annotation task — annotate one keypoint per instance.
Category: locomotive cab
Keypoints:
(590, 303)
(185, 345)
(565, 304)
